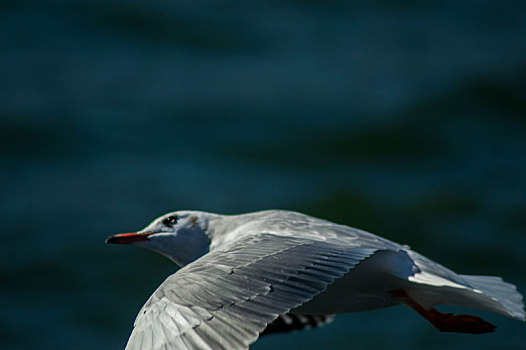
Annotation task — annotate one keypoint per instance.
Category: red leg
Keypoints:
(447, 322)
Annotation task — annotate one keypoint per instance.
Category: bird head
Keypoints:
(181, 236)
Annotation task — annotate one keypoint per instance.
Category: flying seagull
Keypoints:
(272, 271)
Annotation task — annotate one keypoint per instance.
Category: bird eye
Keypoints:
(169, 221)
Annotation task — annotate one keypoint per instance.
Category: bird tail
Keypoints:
(482, 292)
(434, 284)
(493, 294)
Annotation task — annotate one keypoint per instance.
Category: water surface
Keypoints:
(404, 120)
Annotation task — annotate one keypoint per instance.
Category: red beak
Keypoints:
(127, 238)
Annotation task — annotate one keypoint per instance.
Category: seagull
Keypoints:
(243, 276)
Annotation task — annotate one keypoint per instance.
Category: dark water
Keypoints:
(406, 120)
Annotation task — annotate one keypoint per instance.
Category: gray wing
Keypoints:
(227, 297)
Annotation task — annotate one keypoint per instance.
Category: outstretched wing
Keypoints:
(227, 297)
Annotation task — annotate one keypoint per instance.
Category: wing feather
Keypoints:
(225, 299)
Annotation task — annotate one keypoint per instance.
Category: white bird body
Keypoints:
(244, 273)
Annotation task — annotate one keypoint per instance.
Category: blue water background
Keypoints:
(406, 120)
